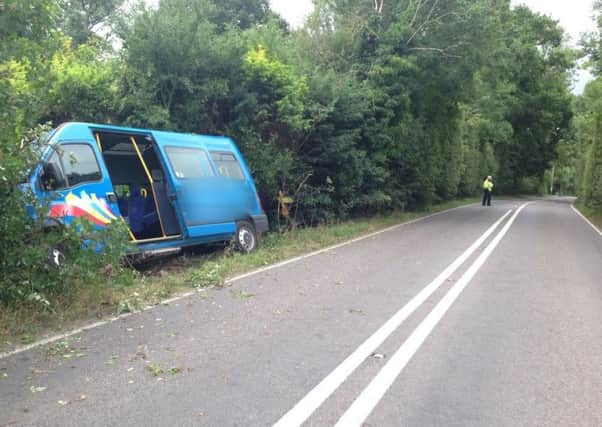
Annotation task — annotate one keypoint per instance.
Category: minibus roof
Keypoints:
(75, 130)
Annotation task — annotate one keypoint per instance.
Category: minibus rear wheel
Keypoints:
(245, 239)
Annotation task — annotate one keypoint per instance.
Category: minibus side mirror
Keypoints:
(52, 177)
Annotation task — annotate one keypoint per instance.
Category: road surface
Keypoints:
(473, 317)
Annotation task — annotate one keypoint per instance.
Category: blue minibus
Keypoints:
(172, 189)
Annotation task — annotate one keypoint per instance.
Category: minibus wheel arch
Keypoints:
(52, 224)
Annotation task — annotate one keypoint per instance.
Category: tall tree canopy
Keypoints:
(580, 152)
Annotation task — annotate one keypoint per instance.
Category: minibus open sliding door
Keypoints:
(140, 184)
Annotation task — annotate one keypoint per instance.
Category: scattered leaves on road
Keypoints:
(58, 349)
(27, 339)
(155, 370)
(241, 294)
(37, 371)
(140, 354)
(64, 349)
(112, 360)
(37, 389)
(67, 402)
(175, 370)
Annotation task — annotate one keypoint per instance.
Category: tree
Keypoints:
(536, 70)
(35, 59)
(80, 85)
(83, 19)
(242, 13)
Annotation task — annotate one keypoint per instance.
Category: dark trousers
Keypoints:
(486, 198)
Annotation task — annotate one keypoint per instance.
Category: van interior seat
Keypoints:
(150, 209)
(122, 203)
(142, 199)
(136, 204)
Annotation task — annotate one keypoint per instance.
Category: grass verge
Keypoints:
(167, 277)
(594, 217)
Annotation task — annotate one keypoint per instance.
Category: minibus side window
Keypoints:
(189, 162)
(227, 165)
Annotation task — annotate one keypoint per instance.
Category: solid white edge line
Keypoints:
(365, 403)
(187, 294)
(586, 219)
(314, 399)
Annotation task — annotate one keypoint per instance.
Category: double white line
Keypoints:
(369, 398)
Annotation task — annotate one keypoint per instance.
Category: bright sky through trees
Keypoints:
(575, 16)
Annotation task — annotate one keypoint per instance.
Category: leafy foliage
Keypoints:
(580, 154)
(27, 244)
(81, 18)
(43, 77)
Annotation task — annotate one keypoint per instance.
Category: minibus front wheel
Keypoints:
(245, 239)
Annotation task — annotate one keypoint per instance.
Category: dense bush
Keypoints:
(43, 76)
(27, 272)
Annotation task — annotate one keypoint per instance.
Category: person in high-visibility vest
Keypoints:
(487, 188)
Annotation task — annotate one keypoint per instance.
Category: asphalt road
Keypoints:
(406, 328)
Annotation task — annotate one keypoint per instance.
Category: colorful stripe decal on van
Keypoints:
(91, 207)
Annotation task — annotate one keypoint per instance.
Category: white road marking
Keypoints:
(94, 325)
(312, 400)
(586, 220)
(365, 403)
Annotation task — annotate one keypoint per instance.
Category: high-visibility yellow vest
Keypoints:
(487, 185)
